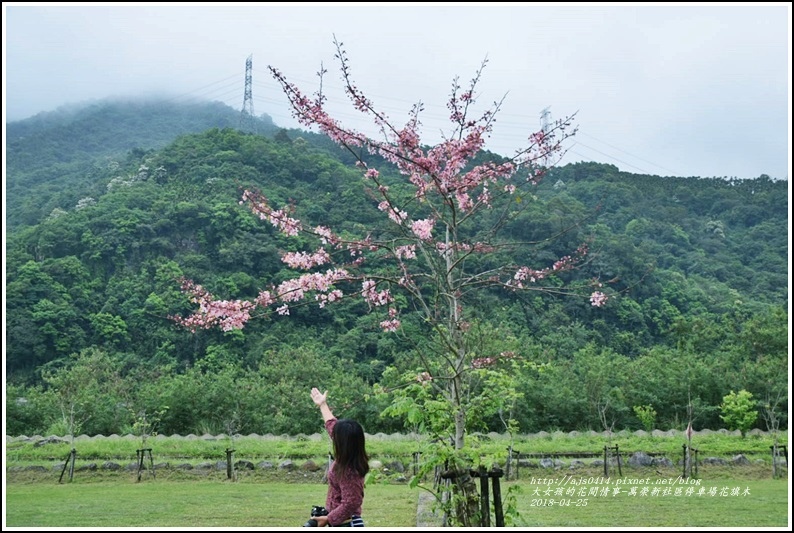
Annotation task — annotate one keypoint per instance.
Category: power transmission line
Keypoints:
(514, 121)
(632, 155)
(609, 156)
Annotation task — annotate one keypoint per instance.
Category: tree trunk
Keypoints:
(460, 415)
(468, 502)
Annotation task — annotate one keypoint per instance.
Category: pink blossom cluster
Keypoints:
(227, 315)
(465, 203)
(373, 296)
(304, 260)
(423, 228)
(598, 299)
(326, 235)
(288, 226)
(265, 298)
(405, 252)
(328, 298)
(395, 215)
(393, 323)
(479, 177)
(417, 180)
(457, 104)
(527, 274)
(277, 217)
(564, 263)
(524, 274)
(311, 113)
(294, 290)
(234, 314)
(390, 325)
(482, 362)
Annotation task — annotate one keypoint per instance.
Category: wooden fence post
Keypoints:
(485, 505)
(685, 461)
(696, 460)
(496, 473)
(70, 463)
(617, 453)
(141, 454)
(511, 453)
(606, 463)
(230, 474)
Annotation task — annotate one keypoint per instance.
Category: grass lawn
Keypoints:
(743, 496)
(725, 503)
(185, 504)
(103, 501)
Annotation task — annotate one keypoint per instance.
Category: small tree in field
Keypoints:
(769, 410)
(647, 416)
(86, 387)
(739, 411)
(442, 246)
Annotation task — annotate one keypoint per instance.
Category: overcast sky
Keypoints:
(663, 89)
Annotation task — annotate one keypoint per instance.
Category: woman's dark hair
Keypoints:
(349, 448)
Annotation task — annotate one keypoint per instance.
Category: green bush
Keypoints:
(738, 411)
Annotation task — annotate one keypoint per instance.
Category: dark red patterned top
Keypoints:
(345, 492)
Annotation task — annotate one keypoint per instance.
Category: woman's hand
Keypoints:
(318, 397)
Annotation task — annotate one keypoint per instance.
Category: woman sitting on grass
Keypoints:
(346, 475)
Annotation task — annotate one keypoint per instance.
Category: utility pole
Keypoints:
(247, 119)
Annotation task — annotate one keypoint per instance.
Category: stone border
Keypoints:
(395, 436)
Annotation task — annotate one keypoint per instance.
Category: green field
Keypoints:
(727, 495)
(730, 497)
(724, 503)
(250, 503)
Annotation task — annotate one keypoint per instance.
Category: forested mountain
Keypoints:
(53, 159)
(108, 205)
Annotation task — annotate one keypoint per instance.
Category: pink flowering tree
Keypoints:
(437, 234)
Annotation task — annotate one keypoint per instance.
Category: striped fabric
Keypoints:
(355, 521)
